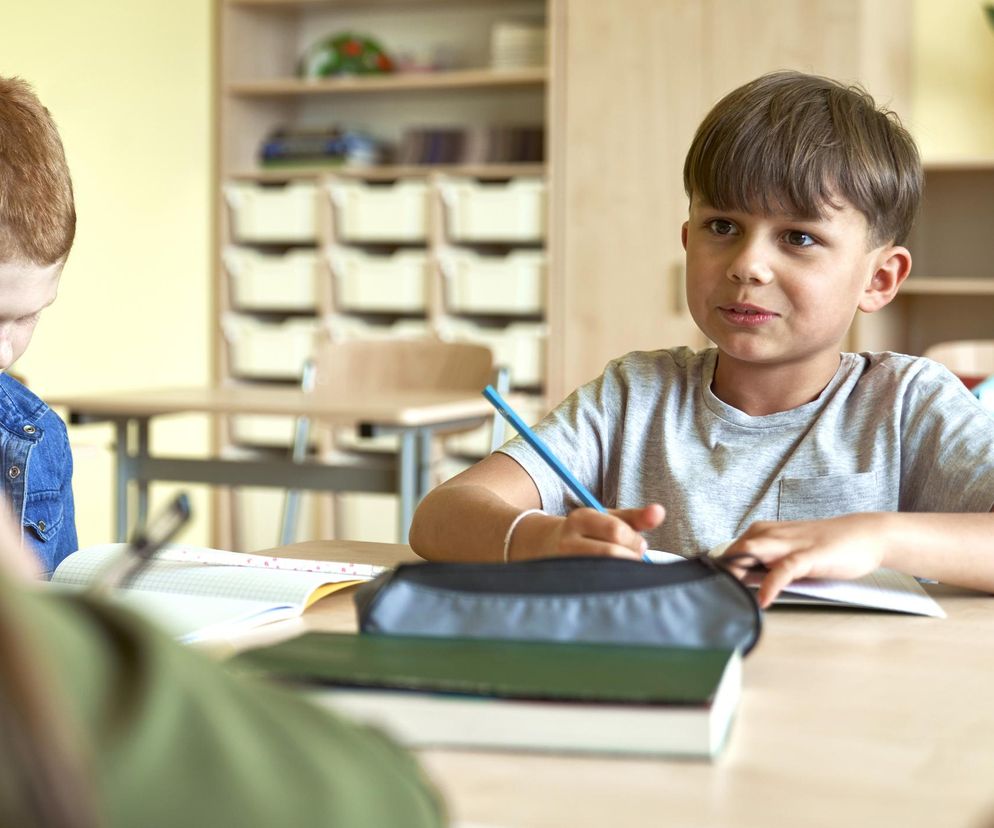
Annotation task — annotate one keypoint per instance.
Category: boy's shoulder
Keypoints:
(21, 410)
(890, 366)
(679, 361)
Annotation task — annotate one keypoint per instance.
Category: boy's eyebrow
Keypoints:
(810, 219)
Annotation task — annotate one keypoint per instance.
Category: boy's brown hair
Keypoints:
(37, 214)
(794, 143)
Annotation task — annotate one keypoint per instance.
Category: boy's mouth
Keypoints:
(747, 315)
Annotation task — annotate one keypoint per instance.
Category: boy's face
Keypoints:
(775, 289)
(25, 290)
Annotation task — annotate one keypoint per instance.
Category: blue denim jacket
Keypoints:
(36, 470)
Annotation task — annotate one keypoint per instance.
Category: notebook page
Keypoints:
(254, 584)
(884, 589)
(335, 570)
(199, 617)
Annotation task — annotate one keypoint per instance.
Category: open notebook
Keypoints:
(885, 589)
(197, 594)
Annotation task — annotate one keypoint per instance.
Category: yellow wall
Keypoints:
(953, 80)
(128, 82)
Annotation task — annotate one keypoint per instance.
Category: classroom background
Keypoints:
(133, 88)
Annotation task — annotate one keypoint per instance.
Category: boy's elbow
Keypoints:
(419, 535)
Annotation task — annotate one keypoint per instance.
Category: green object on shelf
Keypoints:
(989, 11)
(346, 53)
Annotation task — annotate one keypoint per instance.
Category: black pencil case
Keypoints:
(691, 603)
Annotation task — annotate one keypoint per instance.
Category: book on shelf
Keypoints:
(198, 594)
(495, 144)
(518, 695)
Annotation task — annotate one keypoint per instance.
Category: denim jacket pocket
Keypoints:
(43, 518)
(814, 498)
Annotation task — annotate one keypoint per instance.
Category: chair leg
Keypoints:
(301, 438)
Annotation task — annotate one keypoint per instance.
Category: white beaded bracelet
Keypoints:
(514, 525)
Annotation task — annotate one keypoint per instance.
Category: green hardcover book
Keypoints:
(519, 695)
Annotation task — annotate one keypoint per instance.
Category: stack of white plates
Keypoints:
(515, 44)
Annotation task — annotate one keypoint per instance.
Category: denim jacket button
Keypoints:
(29, 429)
(41, 526)
(14, 472)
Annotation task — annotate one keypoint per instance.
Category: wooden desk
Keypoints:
(849, 718)
(414, 416)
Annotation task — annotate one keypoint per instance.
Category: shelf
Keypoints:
(920, 285)
(388, 172)
(976, 164)
(347, 4)
(400, 82)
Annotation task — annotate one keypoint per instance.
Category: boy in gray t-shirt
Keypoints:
(818, 463)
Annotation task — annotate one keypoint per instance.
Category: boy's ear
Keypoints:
(683, 234)
(892, 266)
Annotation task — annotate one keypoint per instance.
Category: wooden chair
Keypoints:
(972, 360)
(390, 365)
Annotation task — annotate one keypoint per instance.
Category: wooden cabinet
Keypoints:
(950, 293)
(630, 81)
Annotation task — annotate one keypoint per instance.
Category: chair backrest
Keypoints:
(972, 360)
(364, 366)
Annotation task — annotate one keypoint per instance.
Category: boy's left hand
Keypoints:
(849, 546)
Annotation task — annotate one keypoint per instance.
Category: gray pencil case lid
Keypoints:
(691, 603)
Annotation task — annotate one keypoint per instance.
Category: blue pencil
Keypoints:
(543, 451)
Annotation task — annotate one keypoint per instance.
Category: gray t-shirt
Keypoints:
(889, 433)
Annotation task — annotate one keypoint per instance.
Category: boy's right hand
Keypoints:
(616, 533)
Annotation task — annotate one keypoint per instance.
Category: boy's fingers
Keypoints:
(595, 548)
(782, 573)
(645, 517)
(607, 528)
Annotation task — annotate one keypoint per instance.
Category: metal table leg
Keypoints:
(121, 478)
(142, 516)
(407, 472)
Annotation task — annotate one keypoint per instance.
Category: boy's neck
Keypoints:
(758, 389)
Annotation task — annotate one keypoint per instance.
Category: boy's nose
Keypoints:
(750, 267)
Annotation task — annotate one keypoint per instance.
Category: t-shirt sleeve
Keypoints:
(580, 432)
(947, 455)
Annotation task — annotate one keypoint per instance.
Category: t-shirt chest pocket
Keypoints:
(813, 498)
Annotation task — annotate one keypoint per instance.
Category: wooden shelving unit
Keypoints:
(400, 82)
(259, 90)
(391, 172)
(950, 293)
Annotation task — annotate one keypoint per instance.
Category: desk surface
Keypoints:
(402, 409)
(848, 718)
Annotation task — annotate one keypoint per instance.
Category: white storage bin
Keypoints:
(378, 283)
(350, 327)
(348, 439)
(511, 284)
(520, 347)
(476, 443)
(267, 350)
(265, 281)
(487, 212)
(377, 213)
(274, 215)
(262, 430)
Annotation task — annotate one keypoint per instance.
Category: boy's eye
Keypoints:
(796, 238)
(721, 227)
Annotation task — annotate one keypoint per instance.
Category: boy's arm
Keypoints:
(467, 519)
(953, 548)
